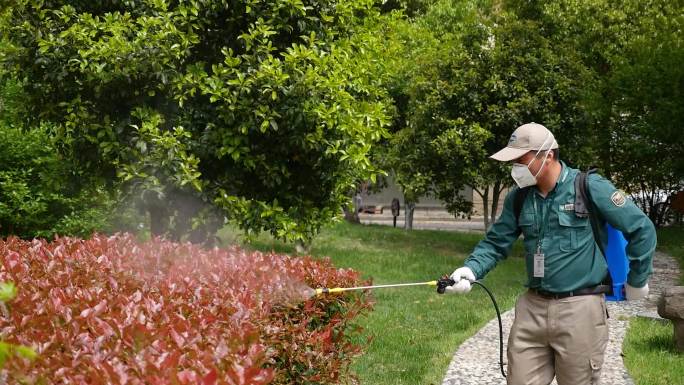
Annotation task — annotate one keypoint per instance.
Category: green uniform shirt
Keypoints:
(572, 260)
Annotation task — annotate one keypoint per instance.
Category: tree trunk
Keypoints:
(485, 206)
(159, 221)
(302, 247)
(351, 216)
(496, 194)
(409, 208)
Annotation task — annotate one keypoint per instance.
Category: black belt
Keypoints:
(593, 290)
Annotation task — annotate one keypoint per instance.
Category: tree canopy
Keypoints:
(484, 72)
(272, 113)
(266, 110)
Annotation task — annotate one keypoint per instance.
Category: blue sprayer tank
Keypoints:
(618, 264)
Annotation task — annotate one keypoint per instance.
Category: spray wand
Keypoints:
(441, 284)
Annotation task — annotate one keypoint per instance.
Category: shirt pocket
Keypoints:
(571, 228)
(526, 223)
(529, 230)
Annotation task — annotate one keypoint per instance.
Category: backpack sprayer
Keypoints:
(441, 285)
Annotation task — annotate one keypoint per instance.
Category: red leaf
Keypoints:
(177, 338)
(210, 378)
(187, 377)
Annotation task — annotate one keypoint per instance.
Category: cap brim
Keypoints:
(508, 154)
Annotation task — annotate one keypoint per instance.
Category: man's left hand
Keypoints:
(635, 293)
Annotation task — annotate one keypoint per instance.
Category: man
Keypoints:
(560, 326)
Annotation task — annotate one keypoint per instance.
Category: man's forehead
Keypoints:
(525, 156)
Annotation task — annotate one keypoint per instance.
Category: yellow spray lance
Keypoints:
(441, 284)
(326, 290)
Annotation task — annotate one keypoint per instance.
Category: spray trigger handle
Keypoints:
(443, 282)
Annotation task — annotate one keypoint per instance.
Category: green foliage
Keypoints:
(11, 101)
(40, 196)
(409, 7)
(8, 351)
(244, 105)
(7, 291)
(27, 202)
(472, 71)
(634, 52)
(476, 73)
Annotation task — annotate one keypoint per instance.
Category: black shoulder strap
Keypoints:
(581, 198)
(583, 209)
(583, 204)
(519, 200)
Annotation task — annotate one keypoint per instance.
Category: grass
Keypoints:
(414, 331)
(650, 353)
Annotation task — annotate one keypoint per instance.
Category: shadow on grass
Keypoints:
(656, 344)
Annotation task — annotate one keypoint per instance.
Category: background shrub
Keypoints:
(43, 194)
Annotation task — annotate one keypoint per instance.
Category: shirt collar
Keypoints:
(563, 174)
(562, 178)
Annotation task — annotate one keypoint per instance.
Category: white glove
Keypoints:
(463, 276)
(635, 293)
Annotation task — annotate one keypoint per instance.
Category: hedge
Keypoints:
(112, 310)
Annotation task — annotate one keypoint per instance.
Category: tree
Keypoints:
(649, 115)
(519, 77)
(634, 51)
(488, 72)
(405, 45)
(265, 110)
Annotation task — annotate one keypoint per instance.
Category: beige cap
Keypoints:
(528, 137)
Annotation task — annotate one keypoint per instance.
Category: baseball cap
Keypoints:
(528, 137)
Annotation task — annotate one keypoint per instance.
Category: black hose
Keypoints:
(498, 315)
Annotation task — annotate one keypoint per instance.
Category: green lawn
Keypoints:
(650, 354)
(414, 330)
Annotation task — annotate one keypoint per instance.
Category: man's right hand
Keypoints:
(462, 276)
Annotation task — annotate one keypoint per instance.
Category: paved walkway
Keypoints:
(428, 220)
(477, 360)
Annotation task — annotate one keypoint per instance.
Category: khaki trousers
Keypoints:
(563, 337)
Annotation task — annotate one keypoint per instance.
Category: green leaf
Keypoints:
(7, 291)
(25, 352)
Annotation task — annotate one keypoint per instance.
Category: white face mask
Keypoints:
(521, 173)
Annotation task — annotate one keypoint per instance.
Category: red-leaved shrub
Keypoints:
(111, 310)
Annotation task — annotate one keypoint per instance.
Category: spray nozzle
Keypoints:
(443, 282)
(325, 290)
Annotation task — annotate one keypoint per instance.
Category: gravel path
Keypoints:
(477, 360)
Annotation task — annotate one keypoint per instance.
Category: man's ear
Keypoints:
(552, 153)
